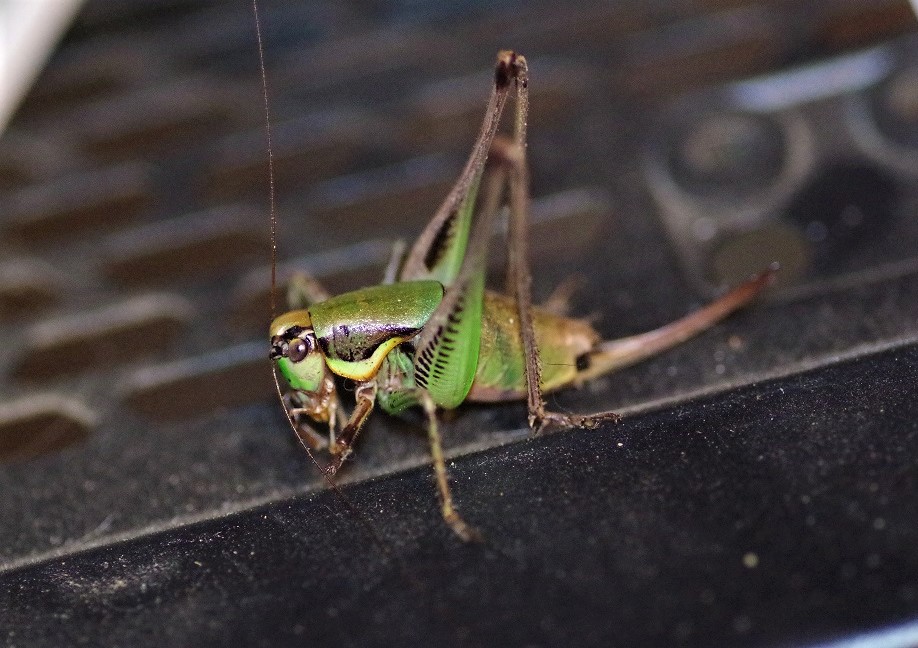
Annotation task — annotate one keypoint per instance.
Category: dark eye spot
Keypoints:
(297, 350)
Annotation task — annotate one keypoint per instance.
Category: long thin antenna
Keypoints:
(273, 207)
(272, 202)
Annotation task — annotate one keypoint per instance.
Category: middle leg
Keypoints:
(460, 527)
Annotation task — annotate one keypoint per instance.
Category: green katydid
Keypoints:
(432, 336)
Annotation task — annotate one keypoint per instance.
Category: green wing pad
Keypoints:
(447, 355)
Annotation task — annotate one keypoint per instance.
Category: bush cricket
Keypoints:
(432, 336)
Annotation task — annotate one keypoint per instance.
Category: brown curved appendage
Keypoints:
(615, 354)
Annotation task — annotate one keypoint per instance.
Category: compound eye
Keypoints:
(298, 349)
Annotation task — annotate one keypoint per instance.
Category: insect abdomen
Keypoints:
(501, 372)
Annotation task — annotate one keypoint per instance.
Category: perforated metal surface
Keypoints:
(135, 394)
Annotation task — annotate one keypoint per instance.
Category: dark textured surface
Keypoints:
(772, 515)
(764, 488)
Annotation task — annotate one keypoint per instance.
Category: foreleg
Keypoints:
(341, 445)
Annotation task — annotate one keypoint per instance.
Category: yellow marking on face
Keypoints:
(292, 318)
(364, 369)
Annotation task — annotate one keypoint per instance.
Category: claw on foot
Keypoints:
(548, 420)
(336, 462)
(465, 531)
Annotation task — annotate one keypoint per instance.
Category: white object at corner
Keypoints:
(29, 30)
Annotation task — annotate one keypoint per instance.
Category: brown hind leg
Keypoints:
(610, 355)
(519, 278)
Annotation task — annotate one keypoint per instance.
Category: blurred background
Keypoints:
(762, 488)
